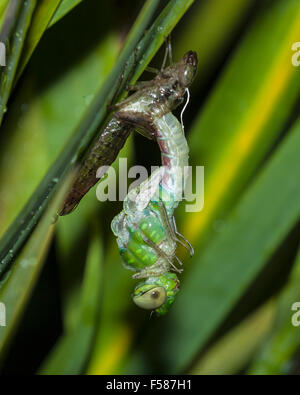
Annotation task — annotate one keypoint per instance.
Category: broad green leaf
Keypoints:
(71, 352)
(282, 343)
(234, 351)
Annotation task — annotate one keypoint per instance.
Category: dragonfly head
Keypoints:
(175, 79)
(157, 293)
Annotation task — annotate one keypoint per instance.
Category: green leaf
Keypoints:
(18, 17)
(18, 283)
(64, 7)
(3, 6)
(40, 21)
(71, 352)
(234, 350)
(282, 343)
(209, 31)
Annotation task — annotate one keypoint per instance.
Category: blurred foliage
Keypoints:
(234, 312)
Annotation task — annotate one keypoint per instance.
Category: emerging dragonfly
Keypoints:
(146, 230)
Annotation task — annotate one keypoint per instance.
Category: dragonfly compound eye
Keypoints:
(150, 299)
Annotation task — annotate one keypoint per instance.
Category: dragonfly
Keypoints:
(146, 230)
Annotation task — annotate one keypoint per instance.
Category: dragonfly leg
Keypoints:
(111, 106)
(152, 70)
(138, 120)
(168, 53)
(172, 229)
(139, 86)
(188, 245)
(157, 269)
(162, 254)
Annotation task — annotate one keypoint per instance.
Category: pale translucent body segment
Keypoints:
(175, 152)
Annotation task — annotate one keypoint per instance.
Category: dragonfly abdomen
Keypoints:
(174, 154)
